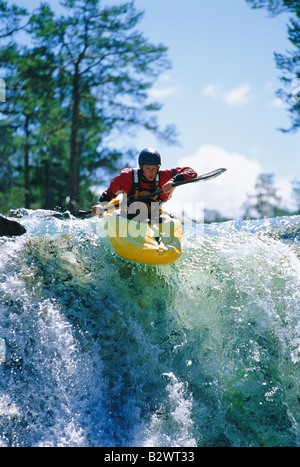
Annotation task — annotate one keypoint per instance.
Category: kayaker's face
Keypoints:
(150, 171)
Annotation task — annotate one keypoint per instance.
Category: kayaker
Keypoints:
(148, 178)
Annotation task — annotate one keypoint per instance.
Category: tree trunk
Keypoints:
(26, 164)
(74, 154)
(48, 191)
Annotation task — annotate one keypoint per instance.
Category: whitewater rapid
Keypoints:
(97, 351)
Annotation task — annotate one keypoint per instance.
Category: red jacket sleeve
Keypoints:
(121, 183)
(178, 174)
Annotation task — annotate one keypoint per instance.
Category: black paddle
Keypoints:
(201, 178)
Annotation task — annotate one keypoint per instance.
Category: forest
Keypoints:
(70, 84)
(264, 202)
(74, 83)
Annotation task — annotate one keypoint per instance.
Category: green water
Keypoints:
(102, 352)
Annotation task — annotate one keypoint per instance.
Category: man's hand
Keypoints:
(98, 209)
(167, 187)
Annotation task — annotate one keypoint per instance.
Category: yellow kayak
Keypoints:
(143, 242)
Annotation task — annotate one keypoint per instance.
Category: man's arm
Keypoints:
(177, 175)
(121, 183)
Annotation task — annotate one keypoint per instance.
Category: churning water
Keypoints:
(96, 351)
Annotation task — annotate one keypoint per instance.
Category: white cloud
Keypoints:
(164, 77)
(238, 96)
(269, 86)
(226, 193)
(276, 103)
(161, 93)
(234, 97)
(211, 90)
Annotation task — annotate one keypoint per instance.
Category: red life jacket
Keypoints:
(138, 189)
(131, 182)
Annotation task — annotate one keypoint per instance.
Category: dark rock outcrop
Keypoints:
(10, 228)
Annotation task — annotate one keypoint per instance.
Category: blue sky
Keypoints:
(221, 89)
(220, 93)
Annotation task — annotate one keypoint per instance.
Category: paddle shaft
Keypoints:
(201, 178)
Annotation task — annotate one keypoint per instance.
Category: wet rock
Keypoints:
(10, 228)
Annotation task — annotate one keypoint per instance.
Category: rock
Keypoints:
(10, 228)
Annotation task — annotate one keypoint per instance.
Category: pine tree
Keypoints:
(296, 194)
(12, 20)
(104, 69)
(289, 63)
(264, 202)
(82, 79)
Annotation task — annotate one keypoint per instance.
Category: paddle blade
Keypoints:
(202, 178)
